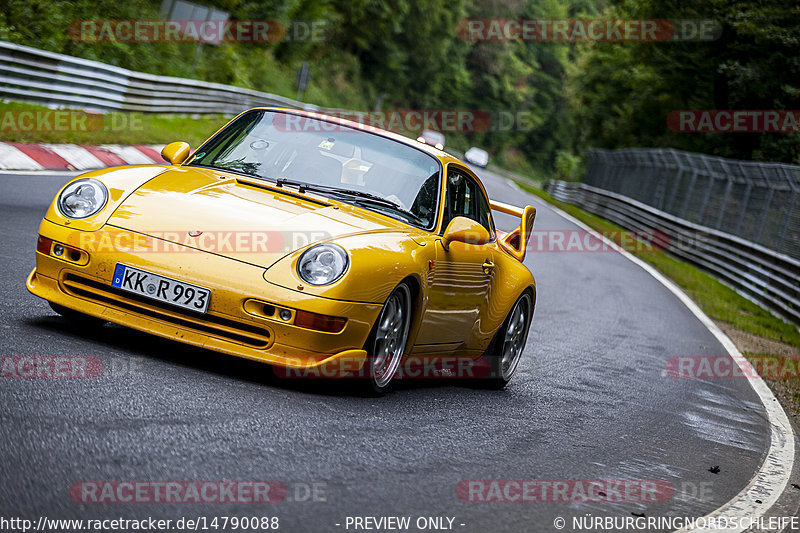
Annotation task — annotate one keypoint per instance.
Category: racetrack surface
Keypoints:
(591, 400)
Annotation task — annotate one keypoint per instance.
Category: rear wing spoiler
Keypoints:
(515, 241)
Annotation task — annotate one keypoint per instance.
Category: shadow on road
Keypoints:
(114, 338)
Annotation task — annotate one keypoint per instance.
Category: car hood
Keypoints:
(241, 218)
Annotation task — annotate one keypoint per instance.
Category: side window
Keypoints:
(458, 196)
(465, 199)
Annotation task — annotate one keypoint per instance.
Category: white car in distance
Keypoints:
(476, 156)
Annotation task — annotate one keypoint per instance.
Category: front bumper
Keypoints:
(234, 323)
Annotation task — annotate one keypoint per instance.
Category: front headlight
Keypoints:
(82, 198)
(322, 264)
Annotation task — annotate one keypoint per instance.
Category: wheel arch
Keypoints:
(417, 306)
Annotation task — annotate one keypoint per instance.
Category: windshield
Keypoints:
(349, 164)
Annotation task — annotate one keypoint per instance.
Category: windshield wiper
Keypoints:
(301, 185)
(361, 196)
(226, 169)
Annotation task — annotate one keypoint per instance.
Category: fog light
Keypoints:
(286, 315)
(58, 250)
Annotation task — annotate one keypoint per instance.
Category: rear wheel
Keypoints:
(76, 317)
(387, 342)
(505, 351)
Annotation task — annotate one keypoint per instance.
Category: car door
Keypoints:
(460, 278)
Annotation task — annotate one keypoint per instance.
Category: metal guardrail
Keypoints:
(756, 201)
(56, 80)
(768, 277)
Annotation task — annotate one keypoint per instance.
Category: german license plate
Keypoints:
(159, 288)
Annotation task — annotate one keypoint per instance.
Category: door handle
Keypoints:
(488, 266)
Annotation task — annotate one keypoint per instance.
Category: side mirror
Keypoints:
(466, 230)
(176, 153)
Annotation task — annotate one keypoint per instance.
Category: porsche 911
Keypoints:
(299, 240)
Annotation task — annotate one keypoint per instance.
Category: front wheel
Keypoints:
(505, 351)
(387, 342)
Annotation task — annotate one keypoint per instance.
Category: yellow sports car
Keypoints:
(300, 240)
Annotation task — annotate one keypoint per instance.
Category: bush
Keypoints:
(568, 166)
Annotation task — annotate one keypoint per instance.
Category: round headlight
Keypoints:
(322, 264)
(82, 198)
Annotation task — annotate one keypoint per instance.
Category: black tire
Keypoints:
(76, 317)
(504, 353)
(375, 379)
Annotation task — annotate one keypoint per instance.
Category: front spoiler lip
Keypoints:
(355, 358)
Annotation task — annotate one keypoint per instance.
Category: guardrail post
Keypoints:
(619, 172)
(724, 205)
(785, 223)
(610, 172)
(692, 181)
(747, 192)
(711, 179)
(765, 209)
(670, 207)
(661, 170)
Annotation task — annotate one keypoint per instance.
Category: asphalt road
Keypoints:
(590, 401)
